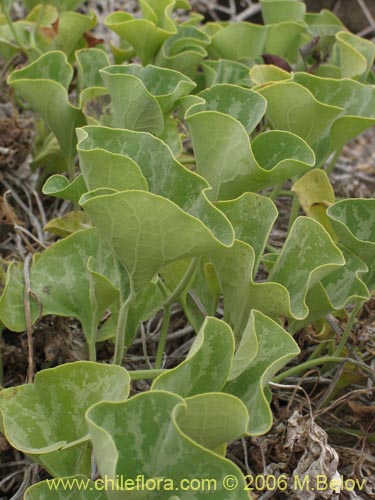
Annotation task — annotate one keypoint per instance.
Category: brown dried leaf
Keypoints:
(318, 458)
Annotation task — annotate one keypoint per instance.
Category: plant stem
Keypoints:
(275, 192)
(12, 29)
(169, 299)
(331, 165)
(293, 213)
(1, 358)
(183, 283)
(348, 328)
(145, 374)
(312, 363)
(163, 337)
(319, 349)
(120, 330)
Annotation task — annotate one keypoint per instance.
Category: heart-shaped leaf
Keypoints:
(172, 451)
(274, 348)
(207, 365)
(232, 167)
(43, 84)
(46, 419)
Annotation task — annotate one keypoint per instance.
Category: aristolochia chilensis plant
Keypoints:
(256, 106)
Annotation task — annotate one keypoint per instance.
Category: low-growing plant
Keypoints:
(183, 147)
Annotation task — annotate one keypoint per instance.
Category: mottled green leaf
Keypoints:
(354, 223)
(226, 71)
(46, 419)
(207, 365)
(292, 107)
(68, 488)
(61, 284)
(145, 35)
(43, 84)
(137, 449)
(308, 255)
(245, 213)
(89, 62)
(234, 166)
(145, 243)
(274, 349)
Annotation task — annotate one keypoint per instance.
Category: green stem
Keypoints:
(293, 213)
(120, 330)
(169, 299)
(350, 432)
(331, 165)
(1, 358)
(163, 337)
(145, 374)
(183, 283)
(9, 21)
(275, 192)
(348, 328)
(319, 349)
(313, 363)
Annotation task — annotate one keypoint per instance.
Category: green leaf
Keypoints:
(353, 222)
(232, 166)
(89, 62)
(274, 348)
(244, 105)
(145, 35)
(43, 84)
(292, 107)
(68, 224)
(265, 73)
(207, 365)
(315, 195)
(345, 284)
(285, 39)
(171, 451)
(245, 213)
(141, 98)
(277, 11)
(46, 419)
(356, 55)
(238, 42)
(60, 4)
(62, 289)
(226, 71)
(132, 106)
(144, 244)
(67, 488)
(72, 26)
(356, 100)
(307, 257)
(59, 186)
(184, 51)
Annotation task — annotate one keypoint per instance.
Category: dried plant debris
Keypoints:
(319, 460)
